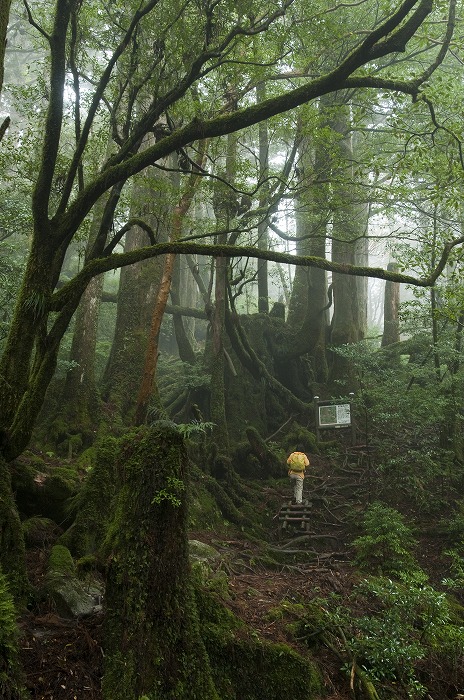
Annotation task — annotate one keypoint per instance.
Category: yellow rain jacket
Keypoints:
(297, 463)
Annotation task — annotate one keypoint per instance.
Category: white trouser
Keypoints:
(297, 487)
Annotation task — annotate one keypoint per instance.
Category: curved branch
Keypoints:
(95, 267)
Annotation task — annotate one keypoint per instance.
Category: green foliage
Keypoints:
(402, 412)
(455, 580)
(171, 492)
(387, 542)
(11, 268)
(10, 681)
(453, 525)
(195, 428)
(389, 629)
(236, 651)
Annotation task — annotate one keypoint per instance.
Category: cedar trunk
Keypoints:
(152, 641)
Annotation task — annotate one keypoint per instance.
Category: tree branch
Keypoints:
(95, 267)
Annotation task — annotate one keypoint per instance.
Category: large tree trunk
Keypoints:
(152, 641)
(308, 314)
(137, 292)
(349, 228)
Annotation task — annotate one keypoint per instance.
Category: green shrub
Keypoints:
(391, 630)
(387, 543)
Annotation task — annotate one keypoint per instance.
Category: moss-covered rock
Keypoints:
(72, 597)
(247, 668)
(43, 488)
(39, 532)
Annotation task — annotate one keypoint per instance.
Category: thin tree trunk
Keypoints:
(184, 345)
(151, 355)
(4, 17)
(263, 237)
(391, 325)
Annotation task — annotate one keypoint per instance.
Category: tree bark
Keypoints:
(152, 641)
(12, 548)
(151, 354)
(4, 17)
(391, 326)
(263, 237)
(349, 227)
(136, 297)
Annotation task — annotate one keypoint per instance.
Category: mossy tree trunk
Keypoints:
(78, 409)
(137, 292)
(12, 549)
(152, 641)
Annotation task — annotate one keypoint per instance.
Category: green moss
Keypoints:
(12, 546)
(247, 668)
(153, 645)
(93, 502)
(204, 513)
(43, 489)
(39, 531)
(61, 562)
(11, 687)
(301, 438)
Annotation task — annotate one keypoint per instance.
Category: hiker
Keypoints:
(297, 463)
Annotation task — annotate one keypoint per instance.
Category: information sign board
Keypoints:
(334, 415)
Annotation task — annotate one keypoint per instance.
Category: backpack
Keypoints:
(296, 461)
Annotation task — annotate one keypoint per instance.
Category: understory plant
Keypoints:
(386, 543)
(397, 634)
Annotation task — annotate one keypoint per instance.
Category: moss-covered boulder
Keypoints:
(247, 668)
(72, 597)
(40, 532)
